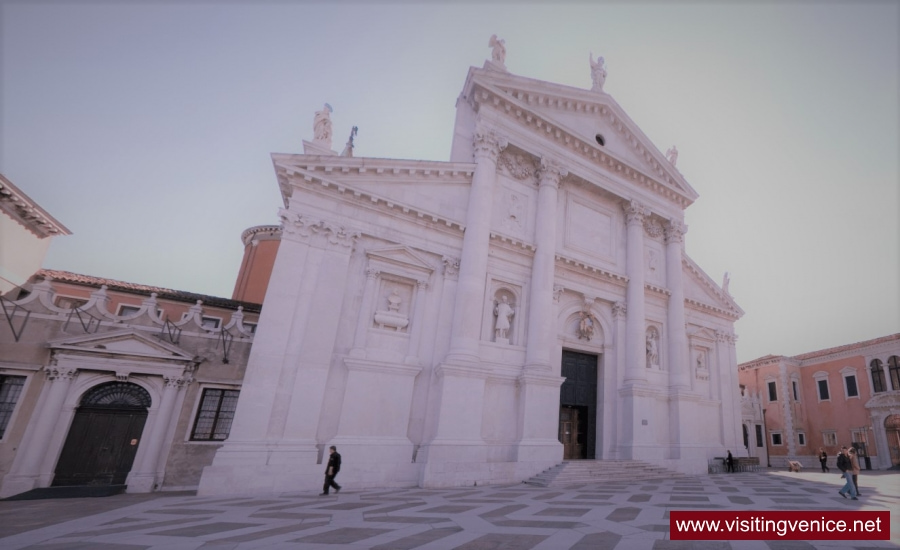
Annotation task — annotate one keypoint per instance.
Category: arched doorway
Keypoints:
(892, 432)
(104, 436)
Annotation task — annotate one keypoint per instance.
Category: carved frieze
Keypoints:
(303, 228)
(518, 165)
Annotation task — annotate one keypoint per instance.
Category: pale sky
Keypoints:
(146, 129)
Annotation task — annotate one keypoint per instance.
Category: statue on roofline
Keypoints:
(498, 50)
(322, 126)
(598, 72)
(672, 155)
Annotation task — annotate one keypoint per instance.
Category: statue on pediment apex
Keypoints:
(322, 126)
(598, 72)
(672, 155)
(498, 50)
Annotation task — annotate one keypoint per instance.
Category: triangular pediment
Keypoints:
(126, 343)
(568, 114)
(402, 256)
(703, 292)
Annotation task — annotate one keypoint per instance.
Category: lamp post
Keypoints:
(766, 447)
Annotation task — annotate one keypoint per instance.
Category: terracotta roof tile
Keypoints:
(146, 290)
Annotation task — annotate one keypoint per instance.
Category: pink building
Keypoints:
(847, 395)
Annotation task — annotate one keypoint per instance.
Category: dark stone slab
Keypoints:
(77, 545)
(793, 500)
(420, 539)
(566, 512)
(691, 545)
(345, 535)
(547, 496)
(496, 541)
(595, 496)
(184, 512)
(789, 545)
(290, 515)
(348, 506)
(448, 509)
(205, 529)
(597, 541)
(623, 514)
(274, 532)
(691, 489)
(729, 489)
(639, 498)
(680, 498)
(538, 524)
(404, 519)
(249, 503)
(502, 511)
(740, 500)
(395, 507)
(139, 527)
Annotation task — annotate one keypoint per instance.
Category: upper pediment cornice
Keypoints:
(727, 304)
(311, 166)
(299, 172)
(522, 98)
(20, 207)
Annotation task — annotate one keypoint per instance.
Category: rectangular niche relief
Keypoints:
(393, 304)
(700, 359)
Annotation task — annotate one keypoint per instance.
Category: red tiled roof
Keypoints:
(146, 290)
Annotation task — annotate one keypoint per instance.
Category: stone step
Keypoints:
(600, 471)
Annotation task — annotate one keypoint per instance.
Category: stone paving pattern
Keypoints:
(612, 516)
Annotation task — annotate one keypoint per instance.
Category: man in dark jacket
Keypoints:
(331, 471)
(843, 464)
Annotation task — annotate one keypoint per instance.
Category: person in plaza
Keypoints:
(331, 471)
(844, 465)
(729, 462)
(823, 460)
(854, 468)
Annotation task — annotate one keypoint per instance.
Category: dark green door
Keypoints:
(578, 404)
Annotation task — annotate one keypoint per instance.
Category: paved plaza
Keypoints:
(590, 517)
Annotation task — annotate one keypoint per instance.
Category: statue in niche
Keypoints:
(672, 155)
(725, 281)
(653, 262)
(598, 72)
(652, 349)
(701, 361)
(322, 125)
(392, 318)
(586, 326)
(498, 50)
(504, 313)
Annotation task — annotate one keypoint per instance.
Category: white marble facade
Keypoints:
(418, 311)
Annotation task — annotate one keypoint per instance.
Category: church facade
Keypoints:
(479, 320)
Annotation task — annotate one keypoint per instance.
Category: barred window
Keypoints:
(10, 389)
(215, 414)
(894, 369)
(878, 382)
(773, 392)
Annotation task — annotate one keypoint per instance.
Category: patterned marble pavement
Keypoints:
(614, 516)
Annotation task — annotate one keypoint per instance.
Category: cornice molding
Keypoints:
(299, 176)
(666, 182)
(21, 208)
(582, 266)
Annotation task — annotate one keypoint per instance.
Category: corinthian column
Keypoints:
(476, 242)
(541, 317)
(635, 337)
(678, 360)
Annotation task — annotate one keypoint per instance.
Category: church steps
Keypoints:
(600, 471)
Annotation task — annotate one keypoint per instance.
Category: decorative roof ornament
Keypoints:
(498, 51)
(348, 149)
(322, 126)
(672, 155)
(598, 72)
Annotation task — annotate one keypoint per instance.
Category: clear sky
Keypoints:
(146, 128)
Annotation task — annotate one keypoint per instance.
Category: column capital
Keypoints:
(372, 273)
(557, 292)
(675, 231)
(634, 212)
(619, 310)
(551, 172)
(488, 143)
(176, 382)
(54, 372)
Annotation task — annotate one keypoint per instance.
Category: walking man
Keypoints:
(844, 465)
(331, 471)
(729, 462)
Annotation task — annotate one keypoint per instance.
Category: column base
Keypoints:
(262, 468)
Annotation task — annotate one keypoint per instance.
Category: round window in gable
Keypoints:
(600, 139)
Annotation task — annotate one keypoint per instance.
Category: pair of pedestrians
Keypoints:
(848, 464)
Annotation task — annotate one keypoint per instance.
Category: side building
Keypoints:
(109, 384)
(841, 396)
